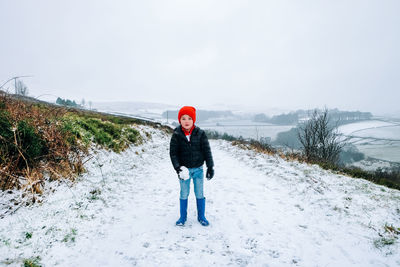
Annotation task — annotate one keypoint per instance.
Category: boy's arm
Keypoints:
(207, 151)
(173, 151)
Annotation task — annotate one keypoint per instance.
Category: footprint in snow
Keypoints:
(251, 244)
(273, 253)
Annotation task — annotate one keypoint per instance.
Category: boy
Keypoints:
(189, 148)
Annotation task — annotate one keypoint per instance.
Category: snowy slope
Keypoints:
(263, 211)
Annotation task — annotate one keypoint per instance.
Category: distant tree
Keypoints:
(21, 88)
(343, 117)
(282, 119)
(293, 118)
(83, 102)
(60, 101)
(320, 139)
(286, 119)
(66, 102)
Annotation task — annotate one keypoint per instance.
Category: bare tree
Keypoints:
(320, 139)
(21, 88)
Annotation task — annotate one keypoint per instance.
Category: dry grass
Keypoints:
(32, 145)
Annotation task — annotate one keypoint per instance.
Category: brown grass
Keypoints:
(60, 159)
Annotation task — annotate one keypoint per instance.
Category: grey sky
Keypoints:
(286, 54)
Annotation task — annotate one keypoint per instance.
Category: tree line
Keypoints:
(292, 118)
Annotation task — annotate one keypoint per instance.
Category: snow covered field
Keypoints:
(352, 128)
(263, 211)
(376, 139)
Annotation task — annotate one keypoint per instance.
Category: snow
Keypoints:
(384, 152)
(387, 132)
(263, 211)
(376, 139)
(351, 128)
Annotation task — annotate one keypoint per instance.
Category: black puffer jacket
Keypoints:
(190, 154)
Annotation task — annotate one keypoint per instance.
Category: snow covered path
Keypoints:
(263, 211)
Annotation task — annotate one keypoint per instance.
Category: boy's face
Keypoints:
(186, 122)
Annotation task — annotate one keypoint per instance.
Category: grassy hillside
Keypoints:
(40, 141)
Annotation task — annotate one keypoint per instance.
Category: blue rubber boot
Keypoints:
(183, 209)
(201, 207)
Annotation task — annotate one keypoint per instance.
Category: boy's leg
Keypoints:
(185, 188)
(197, 175)
(200, 199)
(183, 201)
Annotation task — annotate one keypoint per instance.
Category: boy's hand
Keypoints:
(178, 170)
(210, 173)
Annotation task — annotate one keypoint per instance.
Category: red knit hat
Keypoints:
(187, 110)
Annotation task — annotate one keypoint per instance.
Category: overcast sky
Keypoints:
(284, 54)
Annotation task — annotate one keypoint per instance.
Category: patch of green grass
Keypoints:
(384, 241)
(5, 125)
(28, 235)
(70, 237)
(132, 135)
(94, 194)
(2, 105)
(32, 262)
(83, 217)
(6, 242)
(107, 134)
(30, 143)
(388, 237)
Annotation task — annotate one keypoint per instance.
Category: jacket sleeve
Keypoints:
(173, 151)
(207, 150)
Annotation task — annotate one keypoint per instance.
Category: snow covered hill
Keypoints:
(263, 211)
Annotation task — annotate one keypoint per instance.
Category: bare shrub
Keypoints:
(21, 88)
(320, 139)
